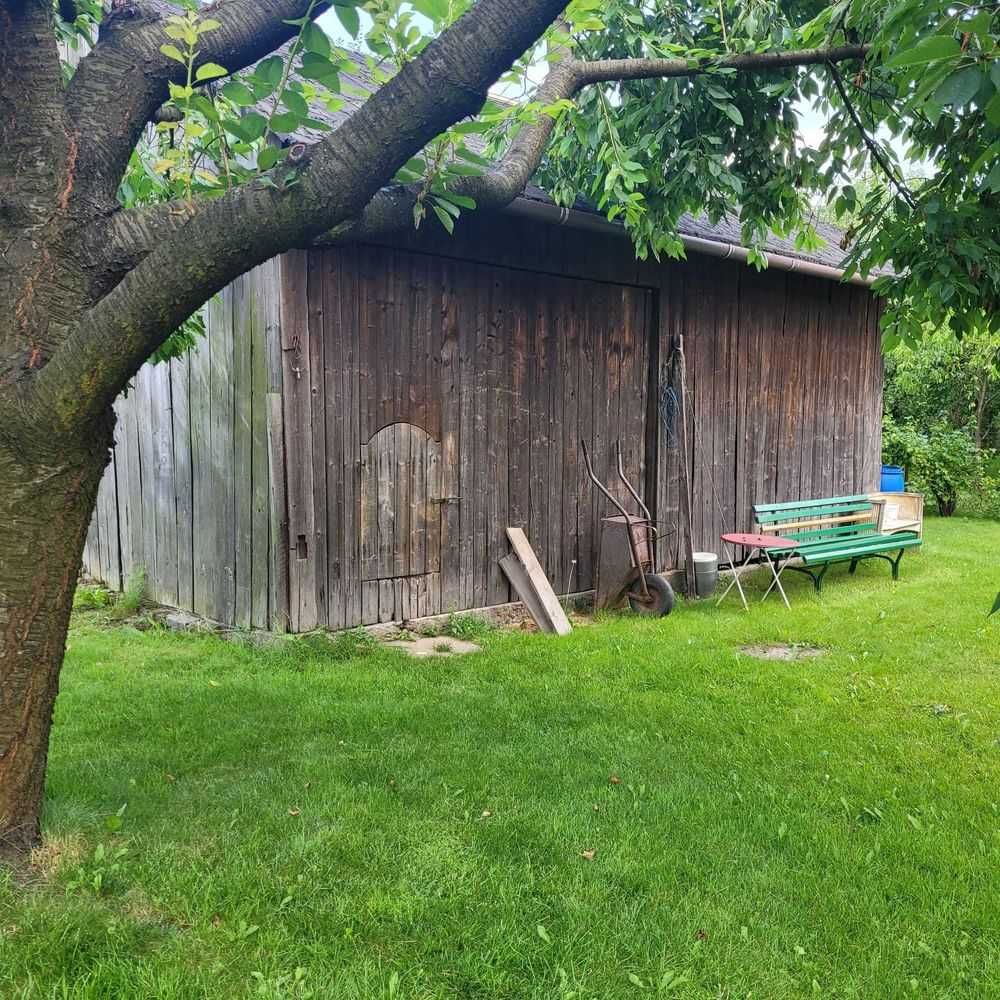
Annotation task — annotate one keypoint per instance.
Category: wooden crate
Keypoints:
(900, 512)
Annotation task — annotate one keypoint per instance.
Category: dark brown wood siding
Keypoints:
(238, 470)
(469, 381)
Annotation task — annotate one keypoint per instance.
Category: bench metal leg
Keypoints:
(854, 566)
(817, 578)
(895, 564)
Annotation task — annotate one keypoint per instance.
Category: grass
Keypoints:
(228, 822)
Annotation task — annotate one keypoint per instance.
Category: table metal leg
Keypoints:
(735, 582)
(776, 582)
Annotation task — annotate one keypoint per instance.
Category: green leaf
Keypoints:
(286, 123)
(348, 17)
(210, 71)
(295, 103)
(452, 210)
(458, 199)
(239, 94)
(249, 128)
(172, 52)
(269, 156)
(996, 605)
(993, 110)
(446, 220)
(929, 50)
(317, 67)
(433, 10)
(315, 40)
(959, 88)
(471, 128)
(732, 112)
(269, 71)
(464, 169)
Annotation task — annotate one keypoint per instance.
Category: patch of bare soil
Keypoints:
(782, 651)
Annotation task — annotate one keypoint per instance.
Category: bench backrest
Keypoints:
(816, 520)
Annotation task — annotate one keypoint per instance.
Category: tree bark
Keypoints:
(45, 507)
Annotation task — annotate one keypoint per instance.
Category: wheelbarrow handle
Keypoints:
(621, 475)
(598, 483)
(632, 548)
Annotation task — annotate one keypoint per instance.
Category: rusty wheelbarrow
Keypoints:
(626, 567)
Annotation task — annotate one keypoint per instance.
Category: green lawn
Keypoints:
(300, 825)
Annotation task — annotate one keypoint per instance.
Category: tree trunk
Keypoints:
(981, 399)
(45, 508)
(947, 505)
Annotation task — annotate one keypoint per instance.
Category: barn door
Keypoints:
(401, 521)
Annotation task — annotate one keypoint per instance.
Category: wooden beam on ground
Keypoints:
(532, 586)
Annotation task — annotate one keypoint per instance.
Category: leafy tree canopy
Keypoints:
(646, 146)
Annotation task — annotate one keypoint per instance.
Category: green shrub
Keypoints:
(983, 500)
(91, 598)
(941, 461)
(132, 597)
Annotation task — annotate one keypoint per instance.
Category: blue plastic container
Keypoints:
(893, 480)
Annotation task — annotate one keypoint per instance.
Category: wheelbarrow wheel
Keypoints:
(661, 597)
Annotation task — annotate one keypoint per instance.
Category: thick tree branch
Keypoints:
(332, 182)
(608, 70)
(392, 209)
(37, 170)
(120, 85)
(138, 231)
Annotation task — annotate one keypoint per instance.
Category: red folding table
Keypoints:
(753, 544)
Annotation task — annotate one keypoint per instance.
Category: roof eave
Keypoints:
(575, 219)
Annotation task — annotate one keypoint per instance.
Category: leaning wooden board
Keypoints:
(532, 585)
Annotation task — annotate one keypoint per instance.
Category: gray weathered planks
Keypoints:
(187, 498)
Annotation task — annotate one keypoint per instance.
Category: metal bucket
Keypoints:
(706, 573)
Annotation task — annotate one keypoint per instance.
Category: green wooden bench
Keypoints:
(832, 530)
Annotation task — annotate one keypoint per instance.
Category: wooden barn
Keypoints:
(349, 442)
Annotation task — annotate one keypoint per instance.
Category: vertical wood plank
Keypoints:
(297, 380)
(499, 331)
(336, 376)
(259, 505)
(243, 493)
(319, 546)
(222, 597)
(268, 290)
(446, 334)
(183, 498)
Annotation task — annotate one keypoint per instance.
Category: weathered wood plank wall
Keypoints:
(454, 395)
(238, 473)
(784, 371)
(187, 496)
